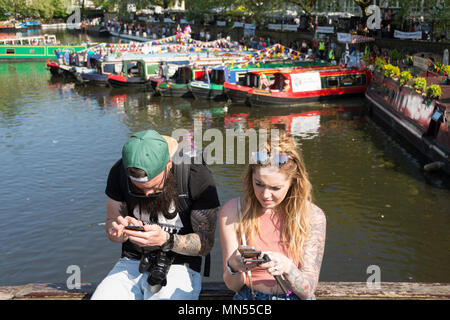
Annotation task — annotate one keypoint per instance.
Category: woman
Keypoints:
(277, 217)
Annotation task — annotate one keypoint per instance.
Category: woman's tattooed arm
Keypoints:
(201, 241)
(304, 281)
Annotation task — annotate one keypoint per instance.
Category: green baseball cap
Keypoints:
(149, 151)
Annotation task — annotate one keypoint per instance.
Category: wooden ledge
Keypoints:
(218, 291)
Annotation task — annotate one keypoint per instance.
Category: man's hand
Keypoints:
(152, 236)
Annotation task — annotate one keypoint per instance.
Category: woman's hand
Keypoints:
(238, 263)
(278, 264)
(152, 235)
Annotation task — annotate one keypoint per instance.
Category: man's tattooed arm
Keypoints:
(304, 280)
(201, 241)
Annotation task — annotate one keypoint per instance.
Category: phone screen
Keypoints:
(134, 228)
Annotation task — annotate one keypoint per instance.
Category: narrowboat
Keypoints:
(178, 85)
(167, 70)
(294, 87)
(61, 70)
(102, 68)
(422, 122)
(134, 73)
(213, 87)
(240, 91)
(37, 48)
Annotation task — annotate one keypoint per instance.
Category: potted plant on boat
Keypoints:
(391, 71)
(419, 84)
(395, 56)
(447, 75)
(405, 76)
(379, 64)
(434, 92)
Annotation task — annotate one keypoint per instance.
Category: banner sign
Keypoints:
(322, 29)
(307, 81)
(408, 35)
(221, 23)
(168, 20)
(344, 37)
(238, 25)
(289, 27)
(273, 26)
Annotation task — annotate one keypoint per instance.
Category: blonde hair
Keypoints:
(293, 210)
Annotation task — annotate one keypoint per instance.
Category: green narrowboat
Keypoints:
(135, 73)
(39, 48)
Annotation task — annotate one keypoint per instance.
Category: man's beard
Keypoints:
(153, 206)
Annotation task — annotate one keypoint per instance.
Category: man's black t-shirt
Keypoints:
(203, 195)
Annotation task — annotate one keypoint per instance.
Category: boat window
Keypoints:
(109, 68)
(133, 69)
(10, 51)
(278, 82)
(346, 81)
(332, 82)
(220, 77)
(241, 78)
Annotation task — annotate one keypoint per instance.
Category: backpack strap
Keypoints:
(182, 172)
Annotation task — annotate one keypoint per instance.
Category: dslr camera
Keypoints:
(157, 262)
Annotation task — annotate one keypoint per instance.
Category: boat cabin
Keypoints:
(35, 40)
(317, 79)
(186, 74)
(138, 68)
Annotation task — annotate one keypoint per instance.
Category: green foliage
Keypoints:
(405, 76)
(366, 59)
(45, 9)
(420, 84)
(379, 64)
(434, 91)
(447, 70)
(391, 71)
(394, 55)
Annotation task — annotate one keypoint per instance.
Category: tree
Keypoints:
(306, 5)
(363, 5)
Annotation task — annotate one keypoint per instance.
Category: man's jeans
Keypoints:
(125, 282)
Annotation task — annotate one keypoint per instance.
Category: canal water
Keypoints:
(59, 140)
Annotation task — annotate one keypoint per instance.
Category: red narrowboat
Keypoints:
(296, 86)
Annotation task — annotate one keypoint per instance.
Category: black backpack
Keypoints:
(182, 172)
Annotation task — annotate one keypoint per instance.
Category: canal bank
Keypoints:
(219, 292)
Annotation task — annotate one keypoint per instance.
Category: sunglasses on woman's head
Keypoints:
(264, 158)
(143, 195)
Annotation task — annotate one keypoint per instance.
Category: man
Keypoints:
(144, 189)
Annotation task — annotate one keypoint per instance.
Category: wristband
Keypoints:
(168, 245)
(231, 271)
